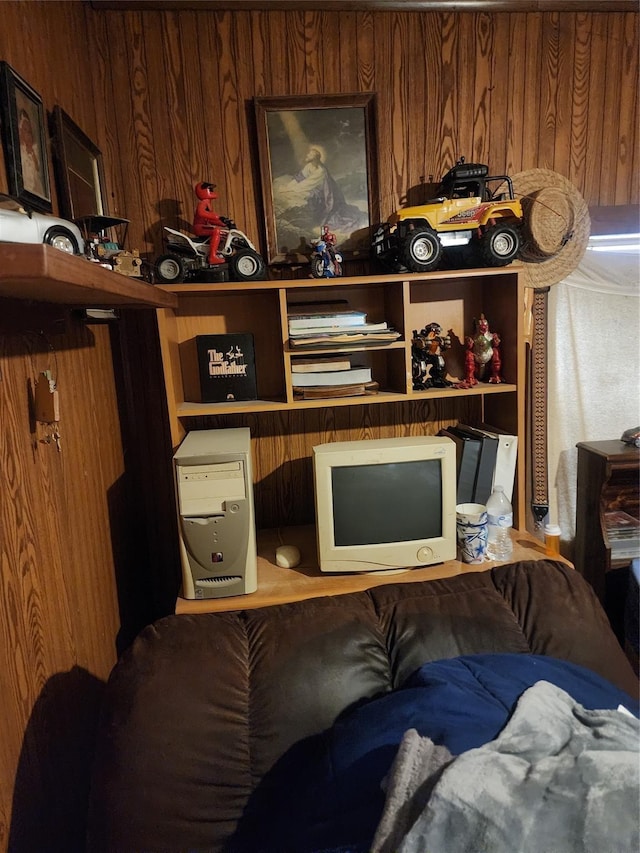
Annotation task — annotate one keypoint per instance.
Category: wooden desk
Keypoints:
(279, 586)
(608, 479)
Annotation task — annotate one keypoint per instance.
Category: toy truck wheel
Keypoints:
(499, 245)
(247, 265)
(170, 269)
(422, 250)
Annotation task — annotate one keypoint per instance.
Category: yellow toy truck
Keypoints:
(467, 213)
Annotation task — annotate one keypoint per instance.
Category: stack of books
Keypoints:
(485, 458)
(623, 533)
(318, 378)
(318, 324)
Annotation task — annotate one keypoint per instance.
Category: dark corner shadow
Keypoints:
(142, 523)
(146, 586)
(51, 791)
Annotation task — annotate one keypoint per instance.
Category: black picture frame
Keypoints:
(78, 169)
(24, 140)
(333, 136)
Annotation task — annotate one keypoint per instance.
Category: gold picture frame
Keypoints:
(318, 167)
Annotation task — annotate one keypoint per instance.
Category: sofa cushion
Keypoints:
(200, 707)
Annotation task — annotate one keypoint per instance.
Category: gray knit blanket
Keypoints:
(558, 779)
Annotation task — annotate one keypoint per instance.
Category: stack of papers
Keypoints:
(623, 533)
(333, 324)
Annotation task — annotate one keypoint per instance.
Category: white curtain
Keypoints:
(593, 352)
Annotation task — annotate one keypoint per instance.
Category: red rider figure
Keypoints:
(207, 223)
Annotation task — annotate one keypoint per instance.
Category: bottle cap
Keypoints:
(552, 530)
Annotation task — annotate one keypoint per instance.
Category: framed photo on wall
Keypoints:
(318, 167)
(78, 169)
(24, 140)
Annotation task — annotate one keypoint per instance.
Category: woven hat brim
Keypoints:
(557, 226)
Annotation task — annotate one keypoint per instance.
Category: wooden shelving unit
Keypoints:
(44, 274)
(408, 302)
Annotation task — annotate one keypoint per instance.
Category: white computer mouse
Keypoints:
(287, 556)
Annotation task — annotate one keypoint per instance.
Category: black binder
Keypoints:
(486, 462)
(467, 457)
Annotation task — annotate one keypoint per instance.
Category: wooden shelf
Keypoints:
(279, 586)
(44, 274)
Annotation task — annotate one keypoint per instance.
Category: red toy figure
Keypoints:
(485, 346)
(469, 365)
(207, 223)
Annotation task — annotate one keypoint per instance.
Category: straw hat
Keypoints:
(556, 226)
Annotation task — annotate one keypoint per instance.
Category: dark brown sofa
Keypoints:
(201, 707)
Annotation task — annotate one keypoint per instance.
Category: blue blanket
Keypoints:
(326, 793)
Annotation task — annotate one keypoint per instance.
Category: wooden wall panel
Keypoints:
(517, 90)
(65, 559)
(61, 617)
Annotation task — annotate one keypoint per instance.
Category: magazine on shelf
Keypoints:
(332, 377)
(338, 319)
(623, 533)
(319, 365)
(323, 392)
(361, 328)
(621, 525)
(342, 339)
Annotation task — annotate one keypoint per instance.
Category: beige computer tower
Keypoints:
(214, 495)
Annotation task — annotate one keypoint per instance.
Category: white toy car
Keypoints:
(20, 225)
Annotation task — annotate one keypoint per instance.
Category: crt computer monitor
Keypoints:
(385, 504)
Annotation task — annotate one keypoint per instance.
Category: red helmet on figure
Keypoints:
(205, 190)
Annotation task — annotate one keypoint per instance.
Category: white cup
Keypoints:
(472, 532)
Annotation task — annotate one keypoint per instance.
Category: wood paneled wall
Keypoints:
(167, 97)
(69, 570)
(553, 90)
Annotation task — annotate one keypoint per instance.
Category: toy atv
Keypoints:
(466, 213)
(187, 257)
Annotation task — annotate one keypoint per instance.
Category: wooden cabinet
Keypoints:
(407, 302)
(608, 480)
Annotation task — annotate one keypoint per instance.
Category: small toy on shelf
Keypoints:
(483, 362)
(107, 249)
(215, 249)
(20, 224)
(326, 261)
(427, 363)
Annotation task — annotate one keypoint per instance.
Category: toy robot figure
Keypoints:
(428, 367)
(207, 223)
(484, 348)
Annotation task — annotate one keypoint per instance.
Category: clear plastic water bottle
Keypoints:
(500, 518)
